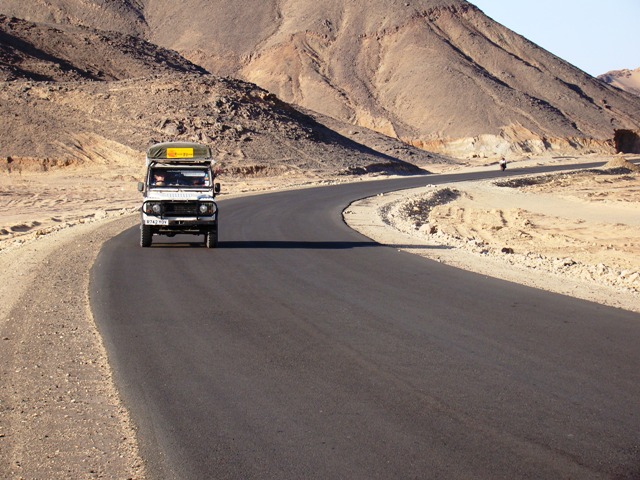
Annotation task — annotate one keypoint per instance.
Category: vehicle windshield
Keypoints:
(179, 177)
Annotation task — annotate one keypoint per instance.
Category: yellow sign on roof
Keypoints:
(179, 152)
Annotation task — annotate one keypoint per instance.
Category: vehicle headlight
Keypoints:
(206, 209)
(153, 208)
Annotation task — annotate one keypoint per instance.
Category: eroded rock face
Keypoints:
(78, 96)
(627, 141)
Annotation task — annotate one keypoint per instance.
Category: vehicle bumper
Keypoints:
(196, 225)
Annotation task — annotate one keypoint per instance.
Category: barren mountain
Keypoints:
(438, 74)
(628, 80)
(61, 116)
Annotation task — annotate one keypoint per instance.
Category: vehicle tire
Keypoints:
(146, 235)
(211, 238)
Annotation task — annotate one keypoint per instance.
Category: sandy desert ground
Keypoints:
(573, 233)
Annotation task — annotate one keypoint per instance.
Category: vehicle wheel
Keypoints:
(146, 235)
(211, 238)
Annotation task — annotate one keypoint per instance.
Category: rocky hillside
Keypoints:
(67, 53)
(628, 80)
(111, 123)
(438, 74)
(125, 16)
(77, 95)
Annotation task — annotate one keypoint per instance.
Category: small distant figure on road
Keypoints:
(503, 164)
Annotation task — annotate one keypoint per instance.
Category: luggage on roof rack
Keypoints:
(184, 152)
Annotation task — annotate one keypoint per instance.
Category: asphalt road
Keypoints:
(300, 349)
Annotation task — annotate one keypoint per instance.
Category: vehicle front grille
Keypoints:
(182, 209)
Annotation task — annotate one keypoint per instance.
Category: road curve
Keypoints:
(301, 349)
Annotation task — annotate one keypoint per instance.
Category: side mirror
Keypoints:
(140, 186)
(216, 187)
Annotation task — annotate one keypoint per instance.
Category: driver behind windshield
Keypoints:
(158, 178)
(182, 178)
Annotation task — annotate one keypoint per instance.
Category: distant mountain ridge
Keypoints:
(627, 80)
(438, 74)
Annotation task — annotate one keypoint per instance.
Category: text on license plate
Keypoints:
(156, 221)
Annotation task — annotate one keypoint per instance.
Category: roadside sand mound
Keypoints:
(621, 162)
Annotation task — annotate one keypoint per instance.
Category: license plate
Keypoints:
(156, 221)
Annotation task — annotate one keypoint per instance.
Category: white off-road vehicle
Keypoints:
(179, 193)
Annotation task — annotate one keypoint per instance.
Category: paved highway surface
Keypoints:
(300, 349)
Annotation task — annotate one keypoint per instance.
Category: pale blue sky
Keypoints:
(596, 36)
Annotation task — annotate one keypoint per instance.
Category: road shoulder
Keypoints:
(61, 413)
(379, 218)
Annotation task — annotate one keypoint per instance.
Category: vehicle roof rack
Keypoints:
(179, 152)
